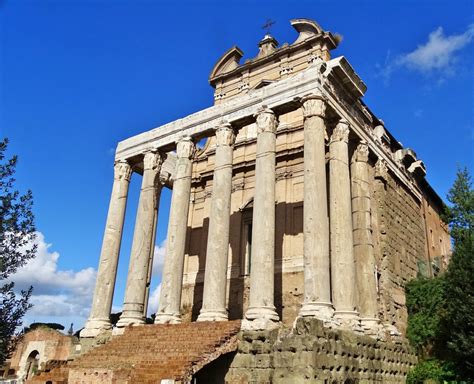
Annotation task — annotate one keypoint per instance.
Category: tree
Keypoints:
(33, 326)
(17, 232)
(441, 309)
(458, 320)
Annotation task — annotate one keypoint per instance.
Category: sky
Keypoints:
(76, 77)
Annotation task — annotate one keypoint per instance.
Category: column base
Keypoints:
(319, 310)
(167, 318)
(349, 319)
(371, 326)
(130, 318)
(213, 315)
(94, 327)
(260, 318)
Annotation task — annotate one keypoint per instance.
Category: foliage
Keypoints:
(114, 318)
(432, 369)
(441, 309)
(33, 326)
(17, 232)
(459, 292)
(425, 298)
(460, 215)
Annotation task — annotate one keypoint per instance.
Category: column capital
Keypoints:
(341, 132)
(314, 105)
(381, 170)
(361, 154)
(225, 135)
(185, 147)
(152, 160)
(266, 120)
(122, 170)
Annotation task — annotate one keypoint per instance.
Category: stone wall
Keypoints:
(399, 236)
(312, 353)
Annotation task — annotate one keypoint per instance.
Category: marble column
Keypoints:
(363, 244)
(317, 284)
(342, 252)
(215, 277)
(99, 318)
(152, 254)
(261, 313)
(137, 278)
(169, 310)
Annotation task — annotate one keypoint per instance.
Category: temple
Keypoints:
(300, 212)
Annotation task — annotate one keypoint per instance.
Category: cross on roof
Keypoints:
(268, 25)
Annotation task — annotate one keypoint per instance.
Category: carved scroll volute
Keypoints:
(185, 147)
(341, 131)
(361, 154)
(122, 170)
(266, 120)
(313, 105)
(225, 135)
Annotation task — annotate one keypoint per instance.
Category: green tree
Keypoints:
(425, 304)
(458, 320)
(17, 232)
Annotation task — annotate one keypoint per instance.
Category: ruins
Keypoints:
(301, 218)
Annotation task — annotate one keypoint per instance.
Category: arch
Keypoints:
(32, 364)
(247, 205)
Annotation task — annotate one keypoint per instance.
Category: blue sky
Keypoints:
(79, 76)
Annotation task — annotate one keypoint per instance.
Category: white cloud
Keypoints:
(438, 55)
(154, 299)
(159, 258)
(56, 292)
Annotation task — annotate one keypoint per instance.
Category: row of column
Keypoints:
(338, 253)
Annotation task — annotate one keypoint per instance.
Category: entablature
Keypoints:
(335, 80)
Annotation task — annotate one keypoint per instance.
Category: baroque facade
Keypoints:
(300, 211)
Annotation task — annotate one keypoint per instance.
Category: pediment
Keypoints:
(263, 83)
(228, 61)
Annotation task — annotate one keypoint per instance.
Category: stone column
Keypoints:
(215, 278)
(172, 280)
(99, 318)
(317, 284)
(134, 301)
(152, 254)
(261, 313)
(363, 245)
(342, 253)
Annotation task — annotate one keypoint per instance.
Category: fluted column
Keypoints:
(172, 280)
(317, 284)
(363, 244)
(342, 253)
(215, 277)
(134, 301)
(99, 318)
(261, 313)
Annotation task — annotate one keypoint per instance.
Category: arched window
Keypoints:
(32, 364)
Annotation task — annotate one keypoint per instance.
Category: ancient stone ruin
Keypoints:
(291, 235)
